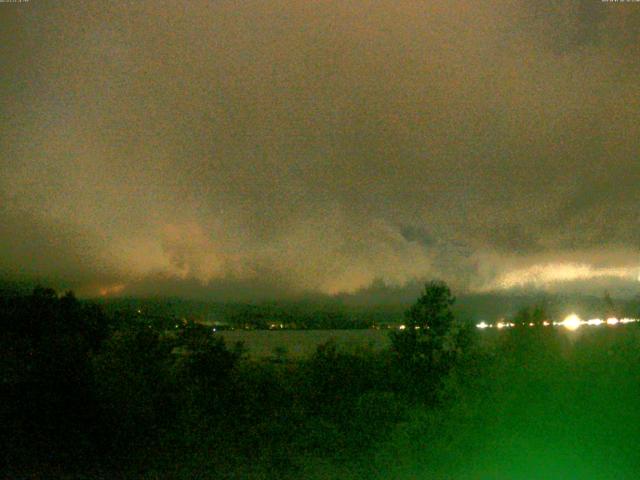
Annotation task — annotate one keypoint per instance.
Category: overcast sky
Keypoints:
(278, 147)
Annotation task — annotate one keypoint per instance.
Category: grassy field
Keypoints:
(562, 405)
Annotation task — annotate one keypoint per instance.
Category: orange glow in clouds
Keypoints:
(111, 290)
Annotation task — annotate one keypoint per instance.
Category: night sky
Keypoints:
(241, 148)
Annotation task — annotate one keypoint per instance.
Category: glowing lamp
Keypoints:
(572, 322)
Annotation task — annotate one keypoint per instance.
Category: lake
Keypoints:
(301, 343)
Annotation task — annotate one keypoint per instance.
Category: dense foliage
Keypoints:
(86, 392)
(87, 395)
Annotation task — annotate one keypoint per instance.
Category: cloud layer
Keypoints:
(293, 146)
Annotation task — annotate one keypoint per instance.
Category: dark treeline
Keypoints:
(115, 397)
(305, 315)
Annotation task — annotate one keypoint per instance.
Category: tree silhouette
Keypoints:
(432, 311)
(432, 340)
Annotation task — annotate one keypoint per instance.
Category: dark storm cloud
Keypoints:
(413, 233)
(66, 254)
(321, 146)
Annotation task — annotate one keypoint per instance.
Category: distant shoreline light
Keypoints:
(571, 322)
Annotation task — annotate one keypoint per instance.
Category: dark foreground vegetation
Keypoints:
(90, 396)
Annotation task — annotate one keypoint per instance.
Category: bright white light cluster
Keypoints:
(571, 322)
(498, 325)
